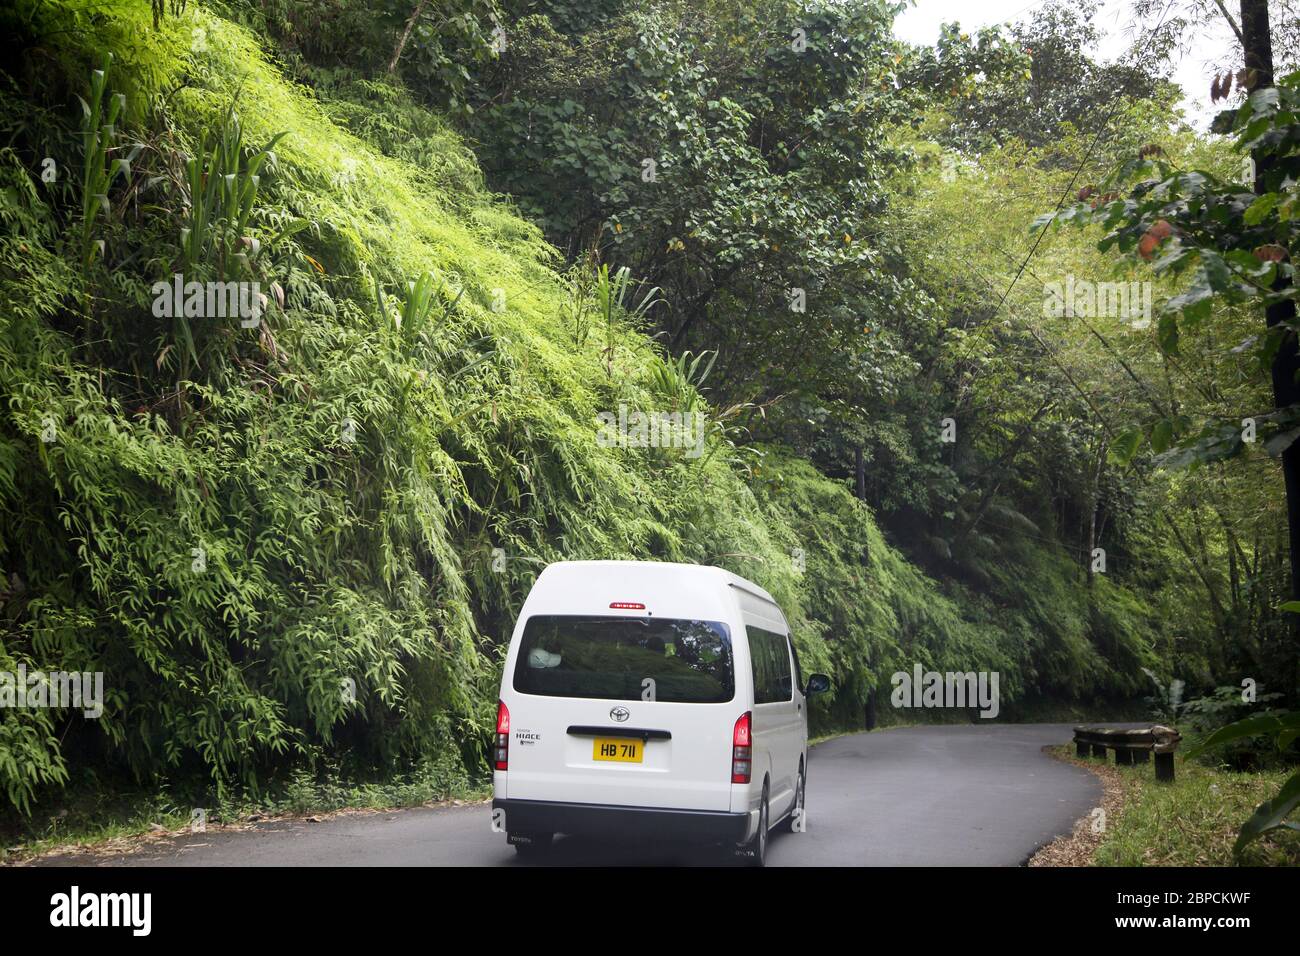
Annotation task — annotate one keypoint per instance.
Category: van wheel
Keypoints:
(757, 848)
(539, 844)
(800, 787)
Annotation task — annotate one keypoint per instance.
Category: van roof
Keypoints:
(566, 568)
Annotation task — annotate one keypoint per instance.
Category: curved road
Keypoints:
(977, 795)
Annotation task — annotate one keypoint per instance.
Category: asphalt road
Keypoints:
(978, 795)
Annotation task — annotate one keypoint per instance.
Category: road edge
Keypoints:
(1079, 846)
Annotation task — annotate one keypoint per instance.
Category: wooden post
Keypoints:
(1123, 757)
(1080, 747)
(1099, 750)
(1164, 743)
(1165, 768)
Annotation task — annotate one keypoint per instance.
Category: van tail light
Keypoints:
(502, 749)
(741, 750)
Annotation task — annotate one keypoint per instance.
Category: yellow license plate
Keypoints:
(617, 748)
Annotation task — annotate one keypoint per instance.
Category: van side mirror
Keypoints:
(817, 684)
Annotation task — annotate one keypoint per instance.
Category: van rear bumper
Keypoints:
(598, 819)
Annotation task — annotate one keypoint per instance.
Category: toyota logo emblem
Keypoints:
(620, 714)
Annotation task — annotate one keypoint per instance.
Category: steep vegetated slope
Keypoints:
(278, 540)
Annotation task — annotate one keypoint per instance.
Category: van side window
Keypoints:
(769, 654)
(798, 671)
(761, 662)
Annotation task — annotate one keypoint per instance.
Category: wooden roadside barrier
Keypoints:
(1131, 746)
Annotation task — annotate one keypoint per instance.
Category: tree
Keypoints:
(1235, 241)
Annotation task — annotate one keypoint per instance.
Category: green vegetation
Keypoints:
(117, 821)
(1234, 238)
(294, 541)
(1193, 821)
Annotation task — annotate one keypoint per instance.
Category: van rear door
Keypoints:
(622, 711)
(778, 715)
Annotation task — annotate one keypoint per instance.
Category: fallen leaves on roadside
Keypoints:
(1078, 848)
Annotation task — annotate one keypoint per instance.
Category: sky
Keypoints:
(920, 23)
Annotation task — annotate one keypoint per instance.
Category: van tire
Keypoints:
(800, 795)
(540, 845)
(757, 855)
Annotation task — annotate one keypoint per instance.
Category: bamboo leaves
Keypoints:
(613, 306)
(100, 168)
(222, 188)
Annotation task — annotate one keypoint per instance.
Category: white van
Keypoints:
(650, 700)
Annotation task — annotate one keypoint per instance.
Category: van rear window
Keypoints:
(611, 658)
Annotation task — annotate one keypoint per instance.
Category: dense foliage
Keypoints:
(299, 542)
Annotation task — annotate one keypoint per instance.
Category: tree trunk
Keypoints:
(406, 35)
(1257, 47)
(1092, 539)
